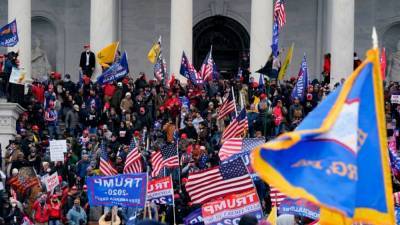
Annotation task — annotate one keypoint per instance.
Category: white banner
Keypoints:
(395, 99)
(51, 182)
(57, 149)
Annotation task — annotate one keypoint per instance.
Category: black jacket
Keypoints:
(92, 60)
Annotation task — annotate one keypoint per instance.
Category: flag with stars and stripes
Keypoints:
(160, 69)
(105, 166)
(276, 196)
(280, 13)
(170, 156)
(187, 70)
(228, 178)
(133, 162)
(227, 107)
(207, 68)
(237, 127)
(156, 160)
(234, 146)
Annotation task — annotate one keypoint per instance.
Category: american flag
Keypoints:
(240, 73)
(276, 196)
(105, 167)
(227, 107)
(207, 69)
(170, 156)
(227, 178)
(233, 146)
(133, 163)
(279, 13)
(156, 160)
(237, 127)
(188, 71)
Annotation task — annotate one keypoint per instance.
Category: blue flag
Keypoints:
(188, 71)
(9, 35)
(300, 90)
(337, 157)
(116, 71)
(275, 39)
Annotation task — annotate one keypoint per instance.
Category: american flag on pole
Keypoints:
(160, 68)
(166, 157)
(156, 160)
(237, 127)
(105, 167)
(228, 178)
(279, 13)
(188, 71)
(276, 196)
(133, 163)
(227, 107)
(234, 146)
(207, 68)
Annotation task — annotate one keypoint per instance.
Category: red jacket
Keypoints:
(109, 90)
(41, 212)
(38, 92)
(55, 210)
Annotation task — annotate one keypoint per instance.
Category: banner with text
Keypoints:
(57, 149)
(160, 191)
(229, 210)
(9, 35)
(299, 207)
(194, 218)
(128, 190)
(51, 182)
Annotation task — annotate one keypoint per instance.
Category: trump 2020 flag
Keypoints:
(337, 158)
(299, 91)
(9, 35)
(115, 71)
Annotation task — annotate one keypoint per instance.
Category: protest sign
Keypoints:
(17, 76)
(395, 99)
(57, 149)
(51, 182)
(160, 191)
(231, 208)
(127, 190)
(116, 71)
(299, 207)
(194, 218)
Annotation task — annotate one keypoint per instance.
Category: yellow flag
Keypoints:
(153, 53)
(286, 63)
(272, 217)
(107, 54)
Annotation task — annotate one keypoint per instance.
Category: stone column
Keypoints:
(21, 11)
(181, 34)
(9, 113)
(103, 26)
(340, 23)
(260, 33)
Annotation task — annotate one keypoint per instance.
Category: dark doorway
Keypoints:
(229, 40)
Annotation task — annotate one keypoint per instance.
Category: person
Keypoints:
(15, 216)
(110, 218)
(54, 210)
(72, 121)
(41, 211)
(77, 215)
(51, 118)
(87, 62)
(327, 68)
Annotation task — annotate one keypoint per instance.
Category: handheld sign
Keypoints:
(299, 207)
(160, 191)
(127, 190)
(194, 218)
(230, 209)
(57, 149)
(395, 99)
(51, 182)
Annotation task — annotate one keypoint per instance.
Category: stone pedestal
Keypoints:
(9, 113)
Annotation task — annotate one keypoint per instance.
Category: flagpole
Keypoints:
(234, 101)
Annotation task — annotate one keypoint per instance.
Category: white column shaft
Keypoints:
(21, 11)
(103, 26)
(181, 34)
(261, 33)
(340, 23)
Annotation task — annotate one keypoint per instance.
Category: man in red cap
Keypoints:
(88, 61)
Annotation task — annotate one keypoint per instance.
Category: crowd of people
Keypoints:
(87, 114)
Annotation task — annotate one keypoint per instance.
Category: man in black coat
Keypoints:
(88, 61)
